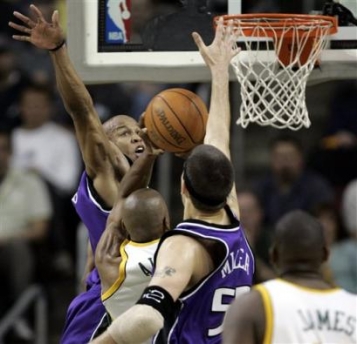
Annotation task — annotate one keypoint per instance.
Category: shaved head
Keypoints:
(117, 121)
(299, 241)
(145, 215)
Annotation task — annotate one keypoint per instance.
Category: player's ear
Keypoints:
(166, 223)
(183, 189)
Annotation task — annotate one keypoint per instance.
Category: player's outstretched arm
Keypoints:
(217, 57)
(46, 35)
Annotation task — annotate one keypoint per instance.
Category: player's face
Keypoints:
(251, 215)
(126, 136)
(35, 109)
(286, 161)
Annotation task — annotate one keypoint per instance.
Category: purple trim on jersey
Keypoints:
(90, 211)
(84, 315)
(203, 307)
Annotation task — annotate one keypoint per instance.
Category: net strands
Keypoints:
(273, 77)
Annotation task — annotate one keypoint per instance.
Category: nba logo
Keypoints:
(117, 21)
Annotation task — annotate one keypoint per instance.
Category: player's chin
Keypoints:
(137, 155)
(138, 152)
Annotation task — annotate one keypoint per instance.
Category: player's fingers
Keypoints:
(228, 32)
(142, 120)
(37, 12)
(159, 151)
(219, 30)
(143, 132)
(24, 19)
(235, 51)
(21, 38)
(144, 135)
(55, 18)
(20, 28)
(198, 40)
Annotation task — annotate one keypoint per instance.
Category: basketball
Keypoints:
(176, 120)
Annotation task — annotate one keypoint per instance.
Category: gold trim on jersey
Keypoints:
(122, 272)
(141, 244)
(310, 290)
(269, 315)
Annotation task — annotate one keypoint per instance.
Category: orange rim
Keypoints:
(275, 24)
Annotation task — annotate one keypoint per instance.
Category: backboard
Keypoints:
(153, 42)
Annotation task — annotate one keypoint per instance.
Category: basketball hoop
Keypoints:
(280, 52)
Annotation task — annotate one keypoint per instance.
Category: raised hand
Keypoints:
(39, 32)
(150, 148)
(223, 47)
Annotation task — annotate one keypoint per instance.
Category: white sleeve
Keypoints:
(39, 206)
(65, 171)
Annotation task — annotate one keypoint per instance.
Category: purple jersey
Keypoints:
(86, 312)
(92, 214)
(201, 310)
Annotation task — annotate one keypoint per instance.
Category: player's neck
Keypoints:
(304, 277)
(218, 217)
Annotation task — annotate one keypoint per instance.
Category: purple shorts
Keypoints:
(85, 316)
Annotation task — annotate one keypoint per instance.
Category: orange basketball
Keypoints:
(176, 120)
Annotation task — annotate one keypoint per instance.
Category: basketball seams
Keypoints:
(197, 108)
(177, 117)
(157, 129)
(172, 120)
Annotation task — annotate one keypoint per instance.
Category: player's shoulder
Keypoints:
(180, 245)
(248, 305)
(180, 239)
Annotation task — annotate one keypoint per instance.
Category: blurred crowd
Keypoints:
(40, 167)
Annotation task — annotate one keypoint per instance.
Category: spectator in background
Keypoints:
(12, 81)
(336, 155)
(104, 102)
(25, 212)
(343, 259)
(259, 237)
(7, 7)
(329, 218)
(45, 147)
(331, 221)
(289, 185)
(38, 64)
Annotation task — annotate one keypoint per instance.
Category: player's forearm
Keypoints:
(218, 124)
(138, 176)
(75, 96)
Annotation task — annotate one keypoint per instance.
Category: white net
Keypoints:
(274, 70)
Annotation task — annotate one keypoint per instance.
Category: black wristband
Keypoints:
(59, 46)
(159, 299)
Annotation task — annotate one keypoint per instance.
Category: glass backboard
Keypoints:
(150, 40)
